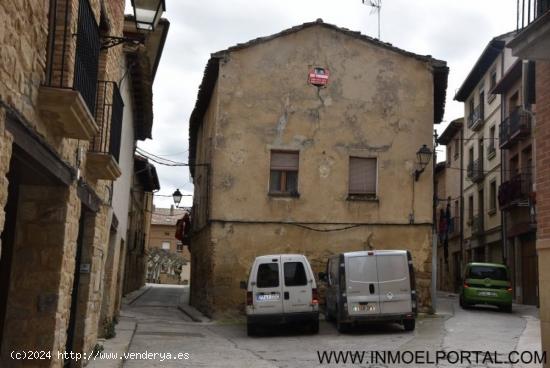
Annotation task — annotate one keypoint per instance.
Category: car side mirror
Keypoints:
(322, 276)
(244, 285)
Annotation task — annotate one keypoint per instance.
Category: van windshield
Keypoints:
(488, 272)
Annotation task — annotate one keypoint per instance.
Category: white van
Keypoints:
(370, 286)
(281, 288)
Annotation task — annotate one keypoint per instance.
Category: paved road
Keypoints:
(162, 328)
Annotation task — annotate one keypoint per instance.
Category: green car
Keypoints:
(486, 283)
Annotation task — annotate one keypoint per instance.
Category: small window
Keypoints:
(284, 173)
(295, 274)
(268, 275)
(493, 197)
(362, 176)
(165, 245)
(457, 148)
(493, 80)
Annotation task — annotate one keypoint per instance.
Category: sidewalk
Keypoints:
(125, 330)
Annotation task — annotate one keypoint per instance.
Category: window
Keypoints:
(470, 208)
(165, 245)
(283, 177)
(362, 176)
(493, 197)
(268, 275)
(295, 274)
(457, 148)
(488, 272)
(449, 155)
(493, 79)
(491, 151)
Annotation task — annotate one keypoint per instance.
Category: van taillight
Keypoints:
(509, 289)
(314, 296)
(249, 298)
(466, 285)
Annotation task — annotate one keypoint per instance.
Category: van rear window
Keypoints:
(488, 272)
(295, 274)
(268, 275)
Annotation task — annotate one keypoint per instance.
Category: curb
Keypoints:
(135, 295)
(194, 314)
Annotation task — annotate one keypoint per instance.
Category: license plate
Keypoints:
(487, 293)
(268, 297)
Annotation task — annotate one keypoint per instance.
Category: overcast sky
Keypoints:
(454, 31)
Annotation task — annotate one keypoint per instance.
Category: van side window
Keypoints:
(295, 274)
(268, 275)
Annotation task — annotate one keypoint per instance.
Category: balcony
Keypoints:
(103, 155)
(475, 171)
(475, 119)
(66, 101)
(515, 192)
(514, 128)
(533, 25)
(477, 225)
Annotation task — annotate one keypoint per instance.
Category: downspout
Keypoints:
(461, 197)
(434, 230)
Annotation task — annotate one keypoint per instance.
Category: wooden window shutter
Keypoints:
(286, 161)
(362, 175)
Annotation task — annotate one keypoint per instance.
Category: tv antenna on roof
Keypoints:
(376, 6)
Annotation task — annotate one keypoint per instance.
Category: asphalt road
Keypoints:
(163, 328)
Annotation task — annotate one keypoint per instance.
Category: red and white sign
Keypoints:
(318, 76)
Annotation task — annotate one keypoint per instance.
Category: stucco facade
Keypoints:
(379, 103)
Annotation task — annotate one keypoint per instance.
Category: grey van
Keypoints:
(370, 286)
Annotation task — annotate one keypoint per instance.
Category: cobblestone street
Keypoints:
(163, 328)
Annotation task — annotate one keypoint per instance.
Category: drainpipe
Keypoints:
(434, 231)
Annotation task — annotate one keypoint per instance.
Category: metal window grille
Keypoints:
(87, 54)
(109, 113)
(529, 10)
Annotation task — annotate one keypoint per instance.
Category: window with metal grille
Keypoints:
(362, 176)
(87, 55)
(284, 173)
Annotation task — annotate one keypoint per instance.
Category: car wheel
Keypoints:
(342, 327)
(251, 329)
(463, 305)
(506, 308)
(314, 327)
(409, 324)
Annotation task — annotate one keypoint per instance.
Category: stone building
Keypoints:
(481, 159)
(516, 194)
(449, 209)
(532, 42)
(70, 98)
(162, 236)
(280, 165)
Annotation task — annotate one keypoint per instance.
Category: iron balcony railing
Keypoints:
(515, 191)
(476, 116)
(477, 225)
(109, 119)
(86, 53)
(530, 10)
(475, 171)
(454, 226)
(515, 127)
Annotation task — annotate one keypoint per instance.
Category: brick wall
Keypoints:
(542, 148)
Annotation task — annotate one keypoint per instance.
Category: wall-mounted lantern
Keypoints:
(423, 156)
(177, 196)
(147, 13)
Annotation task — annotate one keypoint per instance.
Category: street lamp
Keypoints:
(148, 13)
(423, 157)
(177, 197)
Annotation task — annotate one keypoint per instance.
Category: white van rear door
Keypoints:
(267, 288)
(394, 282)
(297, 284)
(362, 285)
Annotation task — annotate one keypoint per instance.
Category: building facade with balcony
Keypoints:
(532, 43)
(516, 194)
(481, 158)
(449, 208)
(66, 162)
